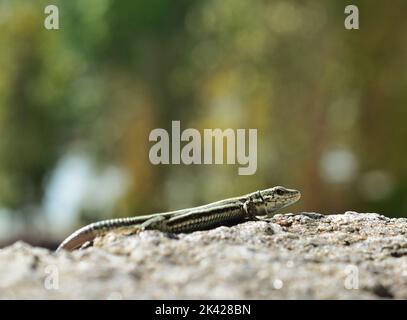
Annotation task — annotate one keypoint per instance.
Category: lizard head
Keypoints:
(277, 198)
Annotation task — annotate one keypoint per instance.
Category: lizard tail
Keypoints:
(91, 231)
(77, 239)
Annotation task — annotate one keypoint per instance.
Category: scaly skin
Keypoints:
(259, 204)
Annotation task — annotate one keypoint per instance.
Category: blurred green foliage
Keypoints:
(328, 103)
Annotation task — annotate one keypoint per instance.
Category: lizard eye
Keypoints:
(280, 192)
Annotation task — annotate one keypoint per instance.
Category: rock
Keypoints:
(304, 256)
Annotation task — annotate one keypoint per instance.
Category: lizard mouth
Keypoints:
(295, 197)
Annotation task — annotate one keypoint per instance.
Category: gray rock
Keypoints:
(304, 256)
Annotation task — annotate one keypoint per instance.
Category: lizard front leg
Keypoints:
(251, 211)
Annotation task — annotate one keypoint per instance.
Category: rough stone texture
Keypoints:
(305, 256)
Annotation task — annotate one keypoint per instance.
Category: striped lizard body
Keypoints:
(252, 206)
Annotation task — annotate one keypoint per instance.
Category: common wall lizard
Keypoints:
(252, 206)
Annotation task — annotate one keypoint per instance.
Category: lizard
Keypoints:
(259, 205)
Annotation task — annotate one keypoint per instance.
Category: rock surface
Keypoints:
(304, 256)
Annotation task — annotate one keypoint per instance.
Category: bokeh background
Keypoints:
(77, 106)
